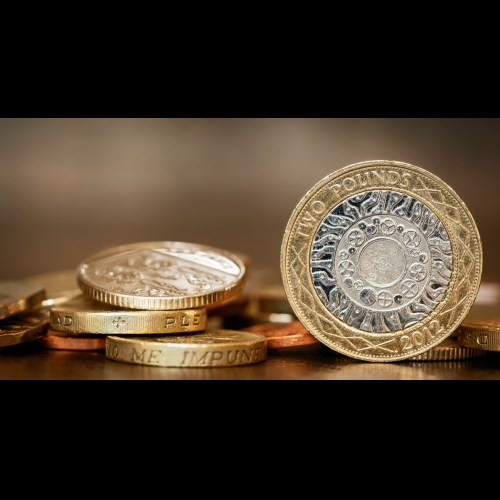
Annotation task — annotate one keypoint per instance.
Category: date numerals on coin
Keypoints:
(418, 339)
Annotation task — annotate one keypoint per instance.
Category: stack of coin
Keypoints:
(20, 320)
(84, 323)
(149, 303)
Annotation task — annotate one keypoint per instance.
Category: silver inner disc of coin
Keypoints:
(382, 261)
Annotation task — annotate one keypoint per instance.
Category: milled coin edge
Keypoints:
(478, 259)
(165, 303)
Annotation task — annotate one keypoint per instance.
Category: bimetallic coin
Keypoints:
(481, 334)
(212, 349)
(449, 350)
(162, 276)
(53, 341)
(16, 297)
(59, 286)
(284, 335)
(23, 328)
(86, 316)
(382, 261)
(395, 269)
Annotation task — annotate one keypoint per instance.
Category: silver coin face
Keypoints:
(381, 261)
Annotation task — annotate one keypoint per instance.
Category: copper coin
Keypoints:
(56, 342)
(283, 335)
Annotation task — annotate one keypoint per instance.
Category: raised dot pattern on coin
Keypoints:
(162, 276)
(381, 261)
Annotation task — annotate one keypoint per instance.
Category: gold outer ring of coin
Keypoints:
(449, 350)
(191, 298)
(17, 297)
(23, 328)
(405, 179)
(54, 342)
(281, 336)
(86, 316)
(212, 349)
(60, 286)
(481, 334)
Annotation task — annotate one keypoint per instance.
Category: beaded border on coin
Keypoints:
(404, 179)
(371, 258)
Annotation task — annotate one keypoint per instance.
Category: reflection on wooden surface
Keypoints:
(307, 363)
(316, 362)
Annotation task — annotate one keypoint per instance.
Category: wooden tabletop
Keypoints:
(30, 362)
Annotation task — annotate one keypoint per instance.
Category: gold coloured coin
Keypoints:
(16, 297)
(86, 316)
(162, 276)
(212, 349)
(481, 334)
(23, 328)
(449, 350)
(382, 261)
(59, 286)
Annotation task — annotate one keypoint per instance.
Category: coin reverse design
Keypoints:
(381, 261)
(165, 276)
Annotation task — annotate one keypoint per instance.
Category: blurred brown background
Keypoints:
(70, 187)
